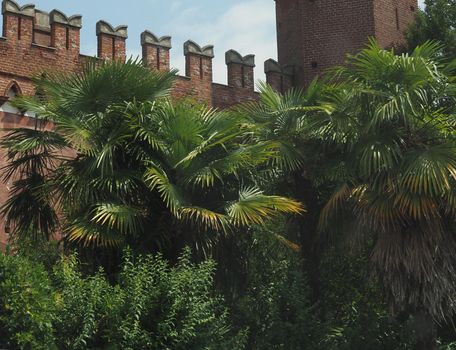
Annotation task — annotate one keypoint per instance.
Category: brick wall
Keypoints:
(392, 19)
(316, 35)
(35, 41)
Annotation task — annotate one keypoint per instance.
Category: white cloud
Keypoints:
(247, 27)
(175, 6)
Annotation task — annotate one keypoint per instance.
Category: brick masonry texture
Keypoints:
(35, 41)
(313, 35)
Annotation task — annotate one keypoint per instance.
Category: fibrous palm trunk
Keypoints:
(425, 332)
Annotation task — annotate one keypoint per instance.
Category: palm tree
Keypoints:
(125, 165)
(74, 105)
(283, 119)
(392, 122)
(373, 153)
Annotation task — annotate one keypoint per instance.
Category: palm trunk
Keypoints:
(309, 239)
(426, 338)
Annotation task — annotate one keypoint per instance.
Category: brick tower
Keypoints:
(314, 35)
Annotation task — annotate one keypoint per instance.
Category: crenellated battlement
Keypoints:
(190, 47)
(278, 76)
(104, 27)
(149, 38)
(59, 17)
(240, 69)
(10, 6)
(35, 41)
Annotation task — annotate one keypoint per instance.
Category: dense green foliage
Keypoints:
(370, 264)
(376, 153)
(392, 122)
(151, 306)
(273, 300)
(27, 306)
(356, 317)
(123, 164)
(155, 306)
(437, 21)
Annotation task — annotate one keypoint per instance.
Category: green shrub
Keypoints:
(152, 306)
(82, 306)
(447, 346)
(165, 307)
(355, 315)
(274, 304)
(27, 305)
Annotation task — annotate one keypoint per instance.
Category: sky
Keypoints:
(247, 26)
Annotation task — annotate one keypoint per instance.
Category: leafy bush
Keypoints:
(152, 306)
(82, 305)
(170, 308)
(449, 346)
(26, 305)
(274, 304)
(355, 316)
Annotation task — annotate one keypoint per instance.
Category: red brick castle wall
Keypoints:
(34, 41)
(312, 36)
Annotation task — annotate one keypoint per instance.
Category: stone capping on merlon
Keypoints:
(59, 17)
(12, 7)
(232, 56)
(148, 37)
(192, 47)
(104, 27)
(272, 66)
(44, 19)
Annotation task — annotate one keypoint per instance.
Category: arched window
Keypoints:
(11, 91)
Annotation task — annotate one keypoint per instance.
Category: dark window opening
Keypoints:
(397, 19)
(14, 90)
(113, 48)
(243, 76)
(67, 38)
(19, 28)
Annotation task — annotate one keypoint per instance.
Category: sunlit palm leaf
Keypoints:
(124, 218)
(158, 180)
(254, 207)
(92, 234)
(206, 218)
(431, 171)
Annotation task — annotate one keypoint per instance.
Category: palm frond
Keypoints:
(124, 218)
(29, 210)
(171, 195)
(206, 218)
(88, 234)
(430, 171)
(254, 207)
